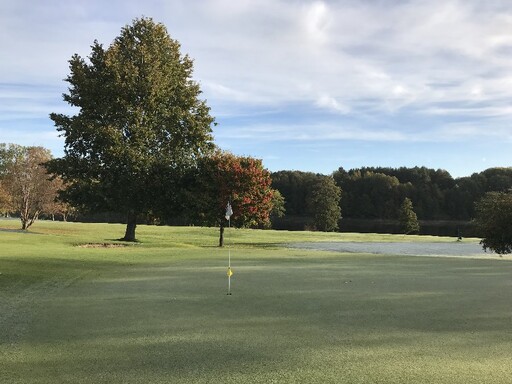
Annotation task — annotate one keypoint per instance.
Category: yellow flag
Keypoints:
(230, 272)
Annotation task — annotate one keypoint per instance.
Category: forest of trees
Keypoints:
(376, 193)
(379, 192)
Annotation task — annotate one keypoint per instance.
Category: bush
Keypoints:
(494, 221)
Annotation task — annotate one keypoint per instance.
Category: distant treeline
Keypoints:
(376, 193)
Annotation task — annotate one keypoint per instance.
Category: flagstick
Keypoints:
(229, 261)
(229, 212)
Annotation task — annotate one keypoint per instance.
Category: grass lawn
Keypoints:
(157, 312)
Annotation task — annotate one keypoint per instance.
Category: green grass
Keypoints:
(157, 312)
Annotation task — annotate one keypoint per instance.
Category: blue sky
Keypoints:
(304, 85)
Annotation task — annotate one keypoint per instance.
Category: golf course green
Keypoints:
(77, 306)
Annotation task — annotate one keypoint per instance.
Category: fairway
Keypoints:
(157, 311)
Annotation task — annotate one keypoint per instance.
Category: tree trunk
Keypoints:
(24, 218)
(131, 224)
(221, 238)
(27, 220)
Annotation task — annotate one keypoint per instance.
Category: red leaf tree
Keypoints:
(242, 181)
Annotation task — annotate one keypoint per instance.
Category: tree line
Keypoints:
(435, 194)
(28, 191)
(378, 193)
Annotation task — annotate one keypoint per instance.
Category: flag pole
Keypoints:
(229, 212)
(229, 261)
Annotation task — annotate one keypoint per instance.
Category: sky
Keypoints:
(302, 85)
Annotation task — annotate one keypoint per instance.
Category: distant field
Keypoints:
(157, 311)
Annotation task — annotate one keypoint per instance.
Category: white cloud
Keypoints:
(310, 132)
(316, 20)
(269, 49)
(437, 59)
(330, 103)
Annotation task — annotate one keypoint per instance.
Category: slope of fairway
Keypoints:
(157, 311)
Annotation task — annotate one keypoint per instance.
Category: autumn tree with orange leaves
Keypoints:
(241, 181)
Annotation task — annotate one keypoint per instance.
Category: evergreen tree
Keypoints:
(325, 204)
(408, 219)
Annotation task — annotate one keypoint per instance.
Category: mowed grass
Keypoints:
(157, 311)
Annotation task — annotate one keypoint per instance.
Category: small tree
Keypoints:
(242, 181)
(408, 219)
(494, 221)
(26, 182)
(278, 205)
(324, 204)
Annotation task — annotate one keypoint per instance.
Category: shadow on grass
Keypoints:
(11, 230)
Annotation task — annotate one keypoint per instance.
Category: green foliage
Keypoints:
(369, 194)
(296, 188)
(494, 220)
(468, 190)
(324, 204)
(378, 192)
(278, 205)
(408, 219)
(140, 124)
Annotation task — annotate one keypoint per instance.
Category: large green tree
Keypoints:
(494, 221)
(140, 124)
